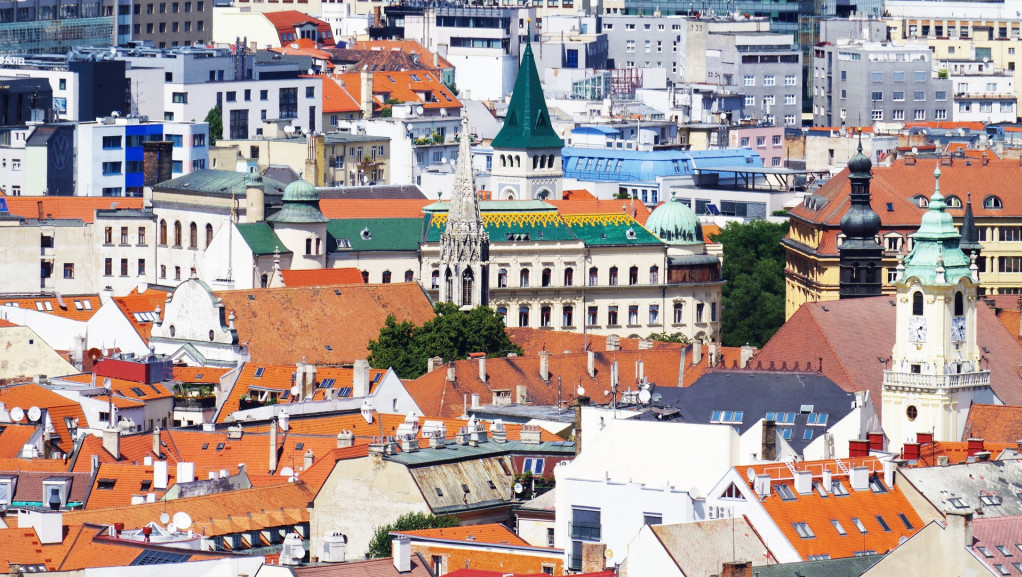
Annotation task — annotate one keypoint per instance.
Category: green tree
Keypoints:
(666, 337)
(622, 195)
(451, 334)
(216, 125)
(380, 544)
(753, 299)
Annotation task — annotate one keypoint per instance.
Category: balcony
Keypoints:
(953, 381)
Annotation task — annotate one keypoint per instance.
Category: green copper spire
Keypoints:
(936, 256)
(527, 123)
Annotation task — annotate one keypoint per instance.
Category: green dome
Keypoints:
(300, 191)
(675, 223)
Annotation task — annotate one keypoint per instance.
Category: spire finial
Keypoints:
(859, 129)
(937, 197)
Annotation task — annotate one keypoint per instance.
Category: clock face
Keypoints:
(917, 329)
(958, 329)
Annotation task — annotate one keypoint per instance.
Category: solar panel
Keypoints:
(326, 383)
(344, 392)
(159, 558)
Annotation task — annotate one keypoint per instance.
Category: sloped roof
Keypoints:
(527, 121)
(406, 86)
(991, 536)
(67, 207)
(970, 482)
(843, 567)
(344, 318)
(75, 308)
(834, 331)
(817, 511)
(286, 20)
(376, 234)
(994, 423)
(700, 548)
(956, 452)
(134, 302)
(493, 533)
(116, 483)
(321, 277)
(369, 568)
(13, 437)
(336, 97)
(58, 408)
(261, 239)
(637, 210)
(221, 183)
(409, 46)
(29, 488)
(22, 546)
(533, 341)
(341, 208)
(126, 389)
(17, 465)
(207, 375)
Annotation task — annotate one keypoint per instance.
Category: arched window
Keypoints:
(386, 277)
(917, 303)
(502, 278)
(922, 201)
(518, 161)
(177, 233)
(163, 232)
(449, 283)
(193, 235)
(503, 160)
(177, 273)
(633, 275)
(523, 278)
(959, 304)
(502, 313)
(535, 161)
(613, 276)
(264, 280)
(953, 202)
(654, 274)
(435, 279)
(567, 316)
(209, 235)
(544, 316)
(550, 161)
(409, 276)
(569, 276)
(523, 316)
(467, 279)
(593, 275)
(547, 273)
(365, 276)
(992, 202)
(163, 271)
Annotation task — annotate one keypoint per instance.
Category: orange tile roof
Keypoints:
(640, 212)
(141, 303)
(91, 546)
(303, 47)
(75, 308)
(205, 375)
(13, 437)
(286, 20)
(280, 378)
(32, 395)
(218, 514)
(577, 194)
(493, 533)
(128, 480)
(337, 99)
(817, 511)
(321, 326)
(22, 546)
(322, 277)
(994, 423)
(62, 207)
(5, 324)
(404, 86)
(44, 465)
(956, 452)
(123, 388)
(410, 46)
(535, 340)
(340, 208)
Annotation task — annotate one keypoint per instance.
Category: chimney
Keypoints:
(544, 365)
(185, 472)
(924, 438)
(982, 455)
(736, 569)
(377, 19)
(858, 448)
(345, 439)
(360, 379)
(530, 435)
(475, 400)
(432, 363)
(241, 469)
(401, 550)
(366, 94)
(827, 478)
(161, 478)
(769, 443)
(157, 162)
(521, 394)
(960, 522)
(591, 364)
(451, 374)
(310, 458)
(889, 468)
(105, 295)
(48, 525)
(147, 460)
(910, 451)
(859, 478)
(578, 428)
(973, 446)
(613, 343)
(112, 442)
(143, 285)
(594, 557)
(94, 465)
(762, 485)
(697, 352)
(498, 432)
(876, 441)
(310, 382)
(156, 443)
(803, 482)
(273, 446)
(748, 352)
(482, 369)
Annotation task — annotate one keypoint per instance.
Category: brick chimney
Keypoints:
(736, 569)
(769, 443)
(924, 438)
(876, 441)
(974, 446)
(910, 451)
(858, 448)
(157, 162)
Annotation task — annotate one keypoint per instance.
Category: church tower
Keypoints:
(464, 244)
(527, 151)
(861, 255)
(935, 372)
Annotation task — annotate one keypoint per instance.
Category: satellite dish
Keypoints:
(296, 390)
(171, 528)
(609, 553)
(418, 110)
(34, 413)
(287, 472)
(657, 397)
(443, 160)
(750, 474)
(644, 396)
(297, 552)
(581, 391)
(164, 518)
(518, 488)
(17, 414)
(107, 383)
(182, 520)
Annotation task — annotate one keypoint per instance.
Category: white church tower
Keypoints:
(935, 372)
(464, 244)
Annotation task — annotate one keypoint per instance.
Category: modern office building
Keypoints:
(765, 67)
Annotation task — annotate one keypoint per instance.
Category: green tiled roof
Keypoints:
(301, 205)
(380, 233)
(497, 206)
(527, 122)
(511, 226)
(222, 182)
(260, 237)
(609, 229)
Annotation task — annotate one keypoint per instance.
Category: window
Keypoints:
(288, 103)
(883, 523)
(612, 315)
(992, 202)
(545, 277)
(750, 80)
(905, 521)
(837, 527)
(919, 76)
(654, 314)
(984, 551)
(501, 278)
(177, 233)
(569, 276)
(612, 280)
(917, 303)
(593, 277)
(108, 267)
(193, 236)
(69, 270)
(633, 275)
(523, 278)
(111, 142)
(209, 234)
(679, 313)
(699, 312)
(124, 267)
(898, 114)
(198, 140)
(877, 96)
(876, 485)
(592, 314)
(567, 316)
(789, 80)
(652, 519)
(633, 314)
(858, 525)
(1004, 550)
(784, 491)
(837, 488)
(544, 316)
(877, 77)
(789, 99)
(109, 168)
(523, 316)
(803, 530)
(141, 267)
(769, 80)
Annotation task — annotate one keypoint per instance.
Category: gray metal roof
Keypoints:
(516, 413)
(428, 456)
(221, 182)
(963, 487)
(843, 567)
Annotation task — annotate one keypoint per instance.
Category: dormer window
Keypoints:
(7, 485)
(55, 492)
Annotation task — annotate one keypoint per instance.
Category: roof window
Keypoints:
(957, 503)
(1004, 550)
(837, 488)
(858, 525)
(883, 523)
(106, 484)
(905, 521)
(439, 493)
(837, 527)
(803, 530)
(984, 551)
(784, 491)
(990, 500)
(259, 372)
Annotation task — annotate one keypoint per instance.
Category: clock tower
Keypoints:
(935, 372)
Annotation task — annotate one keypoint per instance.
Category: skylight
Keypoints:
(803, 530)
(259, 372)
(730, 417)
(106, 484)
(837, 488)
(905, 521)
(1004, 550)
(818, 419)
(883, 523)
(990, 500)
(957, 503)
(858, 525)
(984, 551)
(784, 492)
(837, 527)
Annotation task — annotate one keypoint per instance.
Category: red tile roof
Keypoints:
(75, 308)
(321, 277)
(640, 212)
(117, 483)
(493, 533)
(15, 465)
(411, 46)
(13, 437)
(535, 340)
(320, 325)
(817, 511)
(124, 389)
(957, 452)
(286, 20)
(336, 98)
(67, 207)
(994, 423)
(480, 573)
(989, 533)
(340, 208)
(421, 87)
(22, 546)
(58, 407)
(853, 362)
(146, 302)
(205, 375)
